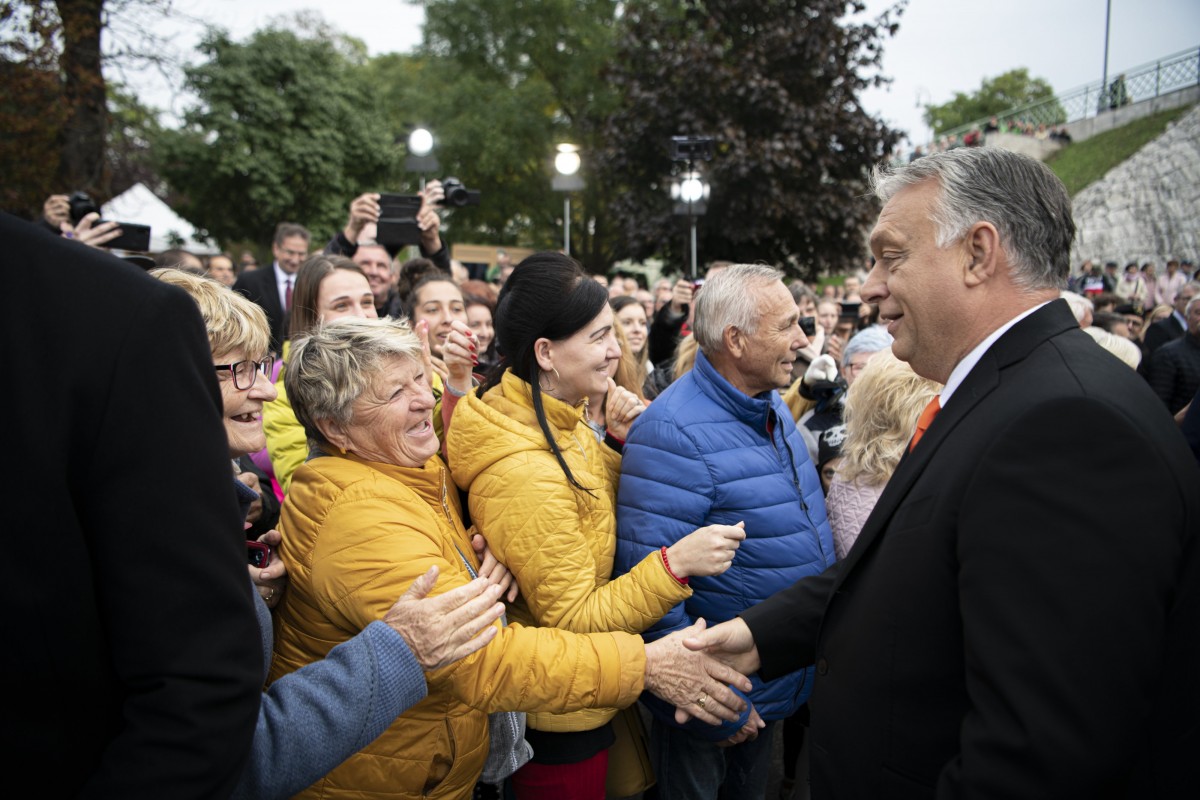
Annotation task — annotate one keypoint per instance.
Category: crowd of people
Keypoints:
(927, 516)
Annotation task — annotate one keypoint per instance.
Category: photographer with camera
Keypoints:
(361, 241)
(75, 217)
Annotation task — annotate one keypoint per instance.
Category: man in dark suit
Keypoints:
(272, 288)
(132, 659)
(1005, 626)
(1172, 327)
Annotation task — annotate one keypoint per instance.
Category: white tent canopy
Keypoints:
(139, 204)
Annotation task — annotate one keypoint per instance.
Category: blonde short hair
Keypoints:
(882, 407)
(232, 321)
(330, 367)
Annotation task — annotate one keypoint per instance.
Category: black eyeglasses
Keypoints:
(244, 371)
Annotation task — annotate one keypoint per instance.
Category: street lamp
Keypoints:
(566, 164)
(420, 148)
(690, 192)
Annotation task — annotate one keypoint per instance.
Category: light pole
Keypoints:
(419, 160)
(690, 191)
(1104, 98)
(567, 180)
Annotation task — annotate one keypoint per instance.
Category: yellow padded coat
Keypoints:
(356, 535)
(558, 541)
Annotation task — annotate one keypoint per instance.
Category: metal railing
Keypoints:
(1169, 74)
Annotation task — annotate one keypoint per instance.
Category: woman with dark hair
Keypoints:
(437, 300)
(542, 490)
(327, 288)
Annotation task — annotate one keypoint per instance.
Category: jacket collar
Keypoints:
(562, 417)
(1017, 343)
(752, 410)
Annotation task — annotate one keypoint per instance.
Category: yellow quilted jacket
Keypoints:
(557, 540)
(356, 534)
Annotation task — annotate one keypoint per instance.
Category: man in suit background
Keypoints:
(1004, 626)
(1169, 328)
(272, 288)
(132, 662)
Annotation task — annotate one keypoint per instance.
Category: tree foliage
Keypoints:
(500, 83)
(286, 129)
(775, 83)
(995, 96)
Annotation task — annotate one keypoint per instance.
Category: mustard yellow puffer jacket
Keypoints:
(557, 540)
(356, 535)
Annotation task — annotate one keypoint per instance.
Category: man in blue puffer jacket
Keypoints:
(719, 446)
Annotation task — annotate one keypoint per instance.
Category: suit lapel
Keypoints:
(1016, 344)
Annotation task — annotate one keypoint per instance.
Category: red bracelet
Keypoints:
(667, 564)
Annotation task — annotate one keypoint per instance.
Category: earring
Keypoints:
(549, 389)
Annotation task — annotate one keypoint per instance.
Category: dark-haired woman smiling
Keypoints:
(542, 489)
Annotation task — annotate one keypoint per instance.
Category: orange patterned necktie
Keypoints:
(924, 421)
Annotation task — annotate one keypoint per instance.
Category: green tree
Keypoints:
(775, 83)
(286, 129)
(500, 83)
(1012, 90)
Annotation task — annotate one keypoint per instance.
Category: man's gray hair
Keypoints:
(329, 368)
(1019, 195)
(728, 299)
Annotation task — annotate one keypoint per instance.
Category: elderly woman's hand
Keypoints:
(697, 687)
(271, 580)
(460, 354)
(621, 408)
(493, 570)
(441, 630)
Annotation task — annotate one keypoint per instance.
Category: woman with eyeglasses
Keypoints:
(315, 718)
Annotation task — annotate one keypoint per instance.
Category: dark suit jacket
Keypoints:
(1011, 622)
(1161, 332)
(259, 285)
(132, 663)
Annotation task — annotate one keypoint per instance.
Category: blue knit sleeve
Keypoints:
(315, 718)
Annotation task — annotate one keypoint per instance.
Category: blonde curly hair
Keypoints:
(881, 413)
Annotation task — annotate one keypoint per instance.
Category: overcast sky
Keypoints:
(943, 46)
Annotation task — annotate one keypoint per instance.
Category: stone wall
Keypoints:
(1148, 207)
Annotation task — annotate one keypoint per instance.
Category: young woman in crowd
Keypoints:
(327, 288)
(542, 489)
(631, 316)
(437, 300)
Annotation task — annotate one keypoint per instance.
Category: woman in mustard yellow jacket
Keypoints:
(370, 512)
(542, 486)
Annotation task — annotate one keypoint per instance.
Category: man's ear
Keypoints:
(734, 340)
(543, 351)
(984, 255)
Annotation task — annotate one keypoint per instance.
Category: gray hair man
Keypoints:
(720, 446)
(965, 645)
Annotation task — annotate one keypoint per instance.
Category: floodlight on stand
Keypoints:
(420, 142)
(420, 158)
(566, 164)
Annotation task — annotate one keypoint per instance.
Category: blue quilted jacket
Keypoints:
(703, 453)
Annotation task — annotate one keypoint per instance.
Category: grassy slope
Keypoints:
(1084, 163)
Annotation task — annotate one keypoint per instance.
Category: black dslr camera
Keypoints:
(458, 195)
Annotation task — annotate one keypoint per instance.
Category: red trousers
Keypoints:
(583, 780)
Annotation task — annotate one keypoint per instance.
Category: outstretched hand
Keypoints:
(493, 570)
(695, 683)
(730, 643)
(441, 630)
